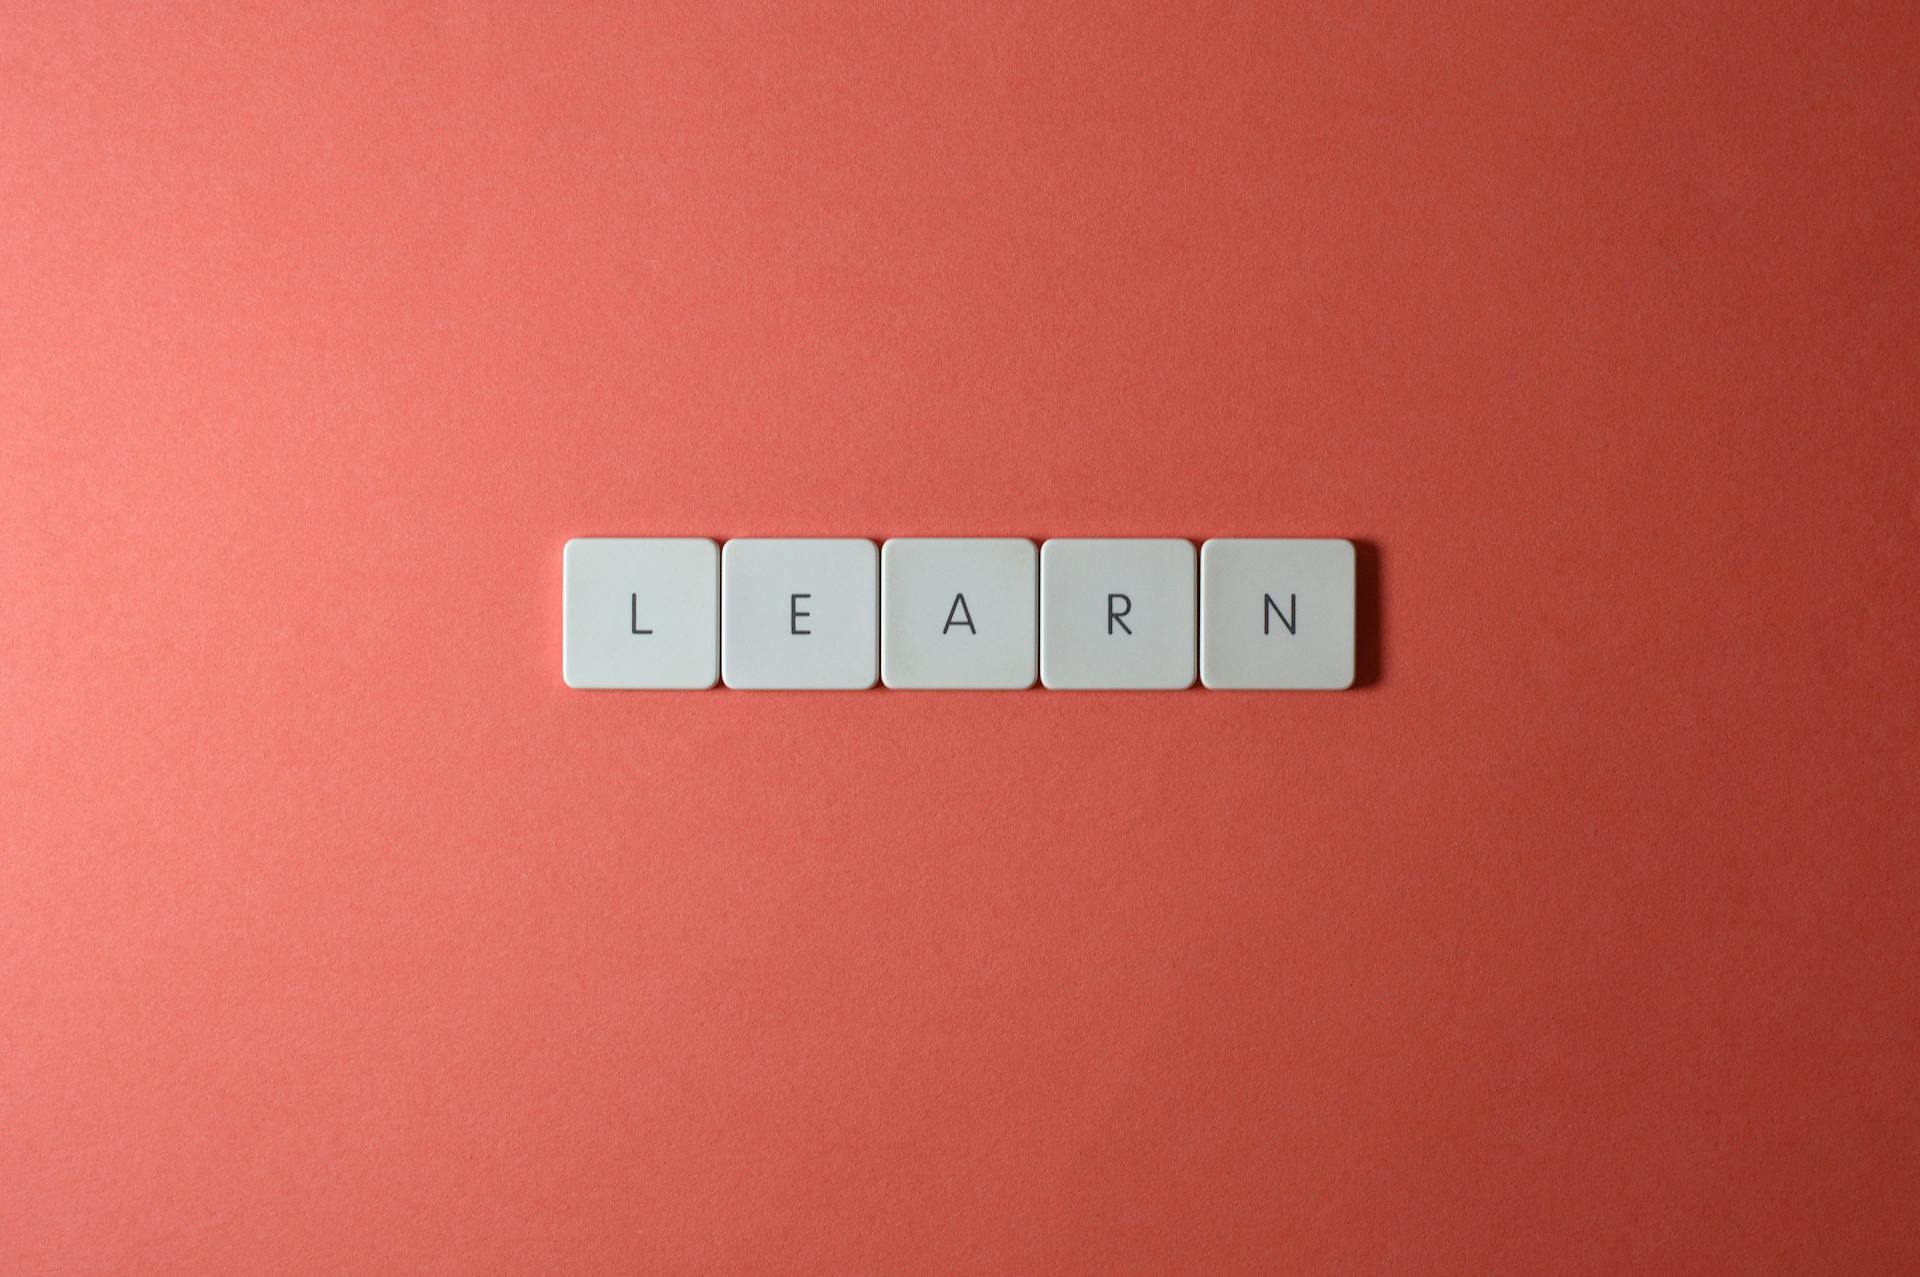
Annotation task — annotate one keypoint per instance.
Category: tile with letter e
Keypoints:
(640, 612)
(958, 612)
(799, 613)
(1117, 613)
(1277, 613)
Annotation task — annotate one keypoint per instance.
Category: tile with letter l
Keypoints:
(959, 612)
(1277, 613)
(640, 612)
(799, 613)
(1117, 613)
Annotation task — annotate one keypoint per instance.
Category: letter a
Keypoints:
(959, 609)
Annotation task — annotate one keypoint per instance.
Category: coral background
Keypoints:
(336, 935)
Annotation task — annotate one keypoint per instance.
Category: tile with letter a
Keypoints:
(1117, 613)
(640, 612)
(958, 612)
(799, 613)
(1277, 613)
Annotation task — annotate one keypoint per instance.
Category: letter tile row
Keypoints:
(958, 612)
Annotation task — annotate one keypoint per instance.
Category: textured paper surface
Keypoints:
(336, 935)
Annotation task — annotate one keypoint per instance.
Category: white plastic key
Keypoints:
(1277, 613)
(958, 612)
(799, 613)
(640, 612)
(1117, 613)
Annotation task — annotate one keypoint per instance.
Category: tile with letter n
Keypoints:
(1277, 613)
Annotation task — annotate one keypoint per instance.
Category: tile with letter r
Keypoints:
(1117, 613)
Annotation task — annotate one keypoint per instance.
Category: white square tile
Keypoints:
(799, 612)
(1117, 613)
(959, 612)
(640, 612)
(1277, 613)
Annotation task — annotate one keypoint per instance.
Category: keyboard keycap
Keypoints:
(959, 612)
(640, 612)
(1117, 613)
(1277, 613)
(799, 613)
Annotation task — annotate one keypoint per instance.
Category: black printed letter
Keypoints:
(1114, 616)
(1272, 610)
(635, 614)
(959, 608)
(794, 613)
